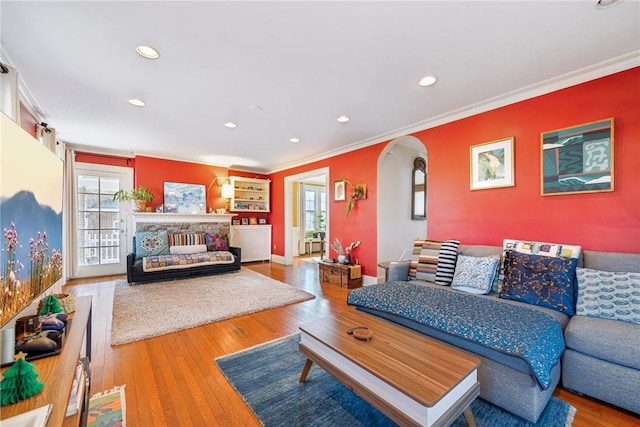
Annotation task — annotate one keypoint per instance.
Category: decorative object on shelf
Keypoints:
(245, 221)
(359, 192)
(578, 159)
(139, 198)
(51, 305)
(253, 220)
(349, 251)
(262, 221)
(185, 198)
(20, 381)
(492, 164)
(337, 246)
(339, 193)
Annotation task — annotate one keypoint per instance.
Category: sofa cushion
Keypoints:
(184, 239)
(216, 242)
(540, 280)
(187, 249)
(536, 248)
(608, 294)
(609, 340)
(475, 275)
(612, 261)
(429, 265)
(150, 243)
(447, 259)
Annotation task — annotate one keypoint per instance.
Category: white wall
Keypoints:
(396, 229)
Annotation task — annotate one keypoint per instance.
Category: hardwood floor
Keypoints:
(172, 380)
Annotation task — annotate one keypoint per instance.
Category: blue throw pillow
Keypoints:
(475, 275)
(540, 280)
(151, 243)
(609, 295)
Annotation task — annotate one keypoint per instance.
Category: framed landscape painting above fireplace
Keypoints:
(185, 198)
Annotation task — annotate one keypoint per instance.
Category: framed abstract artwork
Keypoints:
(492, 164)
(578, 159)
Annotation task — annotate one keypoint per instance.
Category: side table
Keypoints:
(345, 276)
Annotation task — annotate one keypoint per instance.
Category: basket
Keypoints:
(67, 302)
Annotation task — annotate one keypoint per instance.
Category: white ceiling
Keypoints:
(304, 63)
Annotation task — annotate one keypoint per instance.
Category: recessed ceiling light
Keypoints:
(137, 102)
(427, 81)
(147, 51)
(603, 4)
(294, 140)
(343, 119)
(230, 125)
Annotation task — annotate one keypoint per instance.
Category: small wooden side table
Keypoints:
(345, 276)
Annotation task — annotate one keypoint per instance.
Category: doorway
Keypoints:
(100, 223)
(291, 245)
(395, 224)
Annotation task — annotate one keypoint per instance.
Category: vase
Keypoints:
(341, 259)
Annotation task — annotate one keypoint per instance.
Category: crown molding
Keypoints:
(602, 69)
(27, 99)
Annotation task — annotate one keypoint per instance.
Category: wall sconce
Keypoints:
(227, 189)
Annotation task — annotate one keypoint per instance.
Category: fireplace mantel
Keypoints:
(155, 217)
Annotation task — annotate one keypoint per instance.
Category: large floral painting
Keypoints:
(31, 185)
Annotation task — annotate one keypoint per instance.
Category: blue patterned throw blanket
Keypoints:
(518, 331)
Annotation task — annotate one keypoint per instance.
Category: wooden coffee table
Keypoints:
(411, 378)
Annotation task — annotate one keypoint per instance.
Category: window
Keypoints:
(98, 221)
(315, 209)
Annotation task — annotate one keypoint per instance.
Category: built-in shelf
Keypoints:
(249, 194)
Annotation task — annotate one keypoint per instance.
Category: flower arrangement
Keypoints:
(352, 246)
(337, 246)
(344, 254)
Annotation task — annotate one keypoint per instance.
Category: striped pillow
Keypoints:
(434, 261)
(447, 258)
(186, 239)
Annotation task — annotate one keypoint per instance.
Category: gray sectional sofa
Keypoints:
(601, 358)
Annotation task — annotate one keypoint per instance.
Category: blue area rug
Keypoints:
(267, 377)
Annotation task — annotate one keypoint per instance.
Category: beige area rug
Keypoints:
(152, 309)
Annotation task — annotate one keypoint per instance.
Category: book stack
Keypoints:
(77, 390)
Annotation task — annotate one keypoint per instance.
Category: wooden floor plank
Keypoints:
(172, 380)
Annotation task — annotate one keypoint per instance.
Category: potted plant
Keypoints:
(139, 197)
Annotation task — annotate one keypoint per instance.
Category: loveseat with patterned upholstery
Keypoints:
(159, 255)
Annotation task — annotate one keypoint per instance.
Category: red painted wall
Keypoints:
(357, 167)
(597, 221)
(152, 173)
(27, 121)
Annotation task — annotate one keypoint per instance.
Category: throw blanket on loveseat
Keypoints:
(167, 262)
(518, 331)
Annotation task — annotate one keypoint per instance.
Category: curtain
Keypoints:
(9, 96)
(69, 225)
